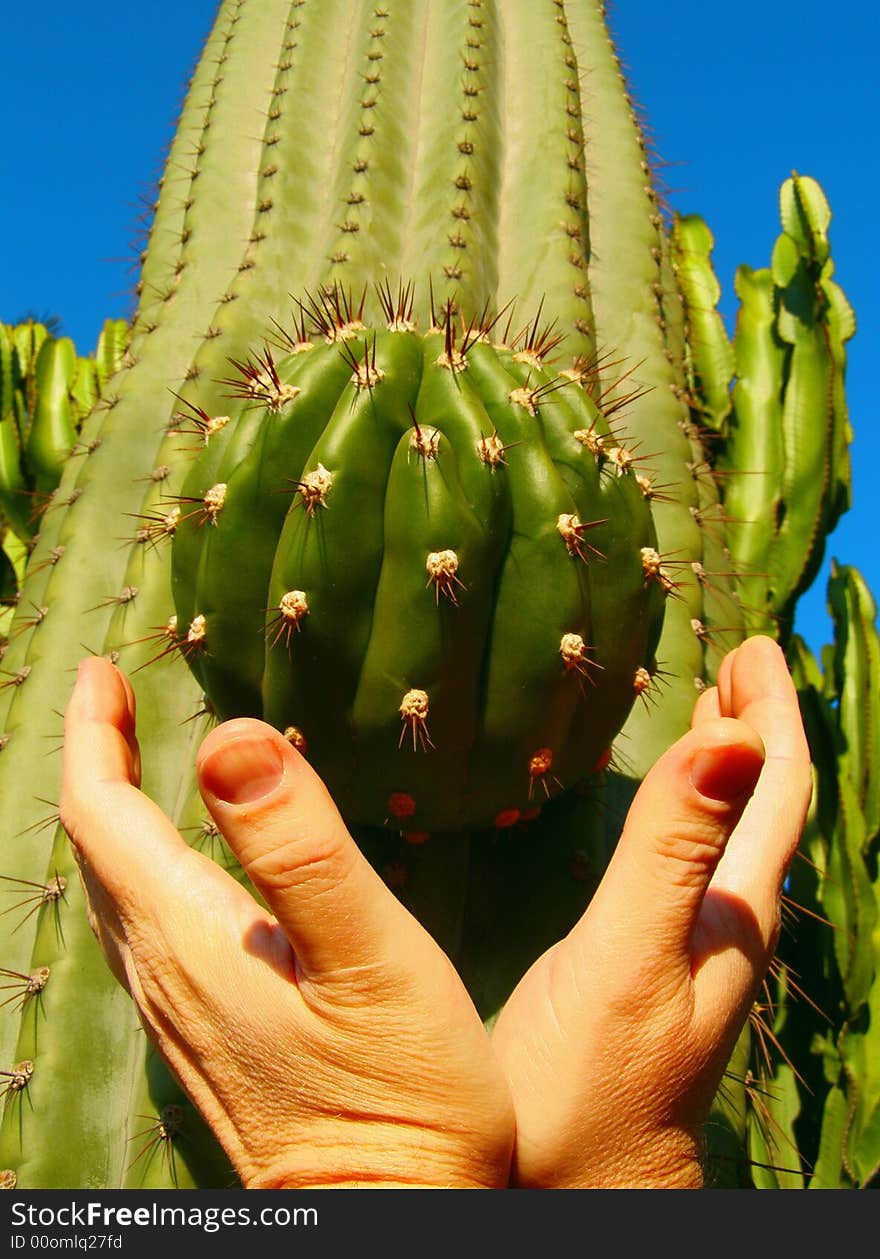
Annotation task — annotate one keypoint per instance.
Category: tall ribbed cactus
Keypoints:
(458, 177)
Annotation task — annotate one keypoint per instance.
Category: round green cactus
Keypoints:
(427, 558)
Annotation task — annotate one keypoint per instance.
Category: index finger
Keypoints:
(124, 837)
(755, 685)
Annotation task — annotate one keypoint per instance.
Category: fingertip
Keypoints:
(241, 768)
(727, 763)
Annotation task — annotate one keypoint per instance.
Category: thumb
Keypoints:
(675, 835)
(279, 820)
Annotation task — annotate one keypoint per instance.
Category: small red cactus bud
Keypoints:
(401, 805)
(416, 837)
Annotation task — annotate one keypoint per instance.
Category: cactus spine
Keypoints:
(471, 155)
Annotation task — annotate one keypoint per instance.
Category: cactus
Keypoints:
(804, 1095)
(474, 175)
(424, 618)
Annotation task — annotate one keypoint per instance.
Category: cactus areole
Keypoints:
(427, 553)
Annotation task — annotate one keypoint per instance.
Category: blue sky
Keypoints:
(736, 96)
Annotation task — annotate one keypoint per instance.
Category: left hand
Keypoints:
(326, 1040)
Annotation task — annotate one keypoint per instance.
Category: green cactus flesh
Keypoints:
(391, 551)
(460, 197)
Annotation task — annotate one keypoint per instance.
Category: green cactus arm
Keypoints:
(806, 215)
(754, 453)
(8, 381)
(711, 357)
(15, 498)
(786, 459)
(858, 1047)
(841, 326)
(773, 1148)
(848, 898)
(83, 390)
(28, 338)
(806, 421)
(857, 675)
(828, 1171)
(110, 351)
(52, 432)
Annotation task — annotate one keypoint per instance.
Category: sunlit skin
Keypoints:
(601, 1068)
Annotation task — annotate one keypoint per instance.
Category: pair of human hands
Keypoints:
(328, 1041)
